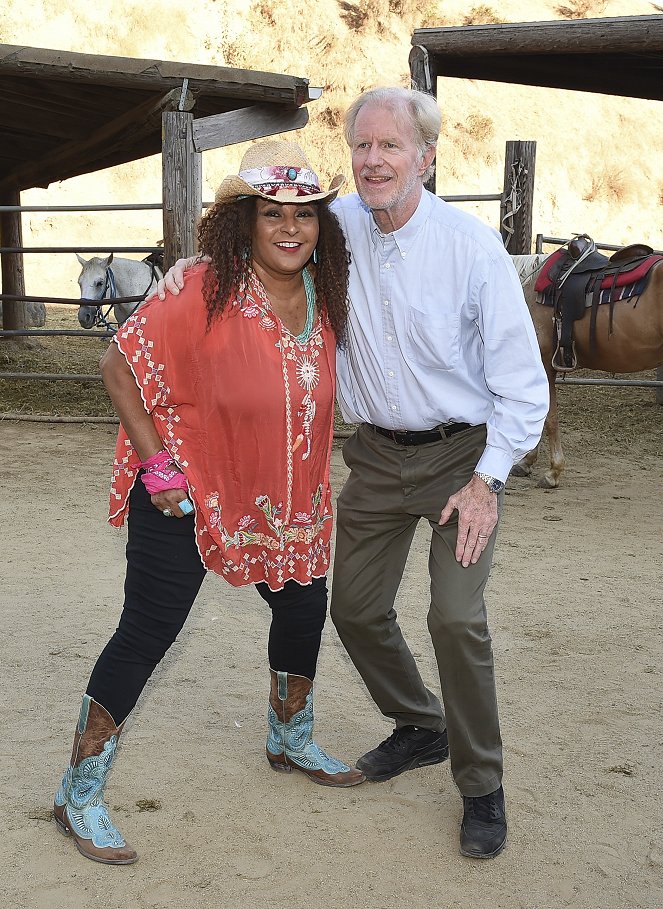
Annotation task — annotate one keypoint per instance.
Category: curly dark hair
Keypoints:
(224, 234)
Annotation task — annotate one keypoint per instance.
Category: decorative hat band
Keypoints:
(271, 180)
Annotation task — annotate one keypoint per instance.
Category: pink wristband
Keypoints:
(161, 473)
(160, 459)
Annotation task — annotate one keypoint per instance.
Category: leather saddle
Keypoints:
(578, 277)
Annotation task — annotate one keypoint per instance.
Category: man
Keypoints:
(442, 372)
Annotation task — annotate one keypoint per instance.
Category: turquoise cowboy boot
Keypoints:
(79, 808)
(290, 740)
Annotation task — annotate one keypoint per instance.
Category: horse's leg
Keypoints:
(524, 467)
(550, 480)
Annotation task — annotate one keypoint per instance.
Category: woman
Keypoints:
(225, 395)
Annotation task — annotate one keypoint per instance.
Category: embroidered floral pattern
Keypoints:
(304, 529)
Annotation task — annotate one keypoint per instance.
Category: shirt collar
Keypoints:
(405, 236)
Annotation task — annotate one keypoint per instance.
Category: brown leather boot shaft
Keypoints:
(99, 727)
(298, 687)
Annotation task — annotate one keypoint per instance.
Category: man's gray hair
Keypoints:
(419, 107)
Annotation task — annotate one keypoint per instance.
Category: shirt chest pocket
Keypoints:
(433, 340)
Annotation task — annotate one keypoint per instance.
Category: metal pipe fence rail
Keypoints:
(75, 377)
(560, 241)
(80, 249)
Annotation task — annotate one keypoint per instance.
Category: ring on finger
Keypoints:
(167, 513)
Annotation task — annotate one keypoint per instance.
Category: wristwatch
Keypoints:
(493, 484)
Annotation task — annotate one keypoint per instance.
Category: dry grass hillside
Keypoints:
(605, 179)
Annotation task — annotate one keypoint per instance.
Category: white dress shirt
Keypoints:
(439, 331)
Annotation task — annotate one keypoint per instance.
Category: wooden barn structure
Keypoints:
(65, 114)
(617, 56)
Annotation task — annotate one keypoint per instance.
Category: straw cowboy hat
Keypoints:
(278, 171)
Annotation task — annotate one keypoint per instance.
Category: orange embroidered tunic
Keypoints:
(247, 413)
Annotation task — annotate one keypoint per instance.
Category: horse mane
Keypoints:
(528, 267)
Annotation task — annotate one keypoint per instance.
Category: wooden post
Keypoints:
(182, 186)
(518, 197)
(423, 76)
(14, 312)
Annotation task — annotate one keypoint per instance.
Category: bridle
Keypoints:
(109, 292)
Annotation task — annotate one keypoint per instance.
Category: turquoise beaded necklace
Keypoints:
(309, 289)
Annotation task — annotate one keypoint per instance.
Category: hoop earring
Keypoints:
(315, 256)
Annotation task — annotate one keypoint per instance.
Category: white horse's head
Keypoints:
(93, 282)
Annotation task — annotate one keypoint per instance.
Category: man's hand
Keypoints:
(477, 518)
(173, 280)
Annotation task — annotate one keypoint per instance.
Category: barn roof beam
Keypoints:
(636, 34)
(615, 56)
(152, 75)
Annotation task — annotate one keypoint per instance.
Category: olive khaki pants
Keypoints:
(389, 489)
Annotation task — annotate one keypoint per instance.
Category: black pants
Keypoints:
(164, 575)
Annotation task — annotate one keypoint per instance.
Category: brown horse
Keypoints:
(633, 342)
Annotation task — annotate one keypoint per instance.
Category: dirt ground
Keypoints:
(576, 612)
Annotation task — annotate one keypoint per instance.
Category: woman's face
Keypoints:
(284, 236)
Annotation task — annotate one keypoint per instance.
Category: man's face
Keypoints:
(387, 165)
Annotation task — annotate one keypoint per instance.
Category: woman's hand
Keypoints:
(169, 500)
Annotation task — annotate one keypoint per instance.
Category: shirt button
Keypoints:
(403, 255)
(386, 302)
(389, 338)
(393, 407)
(391, 373)
(387, 265)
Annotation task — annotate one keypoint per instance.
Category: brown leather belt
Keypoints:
(423, 437)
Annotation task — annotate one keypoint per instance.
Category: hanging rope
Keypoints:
(513, 198)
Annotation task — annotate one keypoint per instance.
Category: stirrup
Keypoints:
(559, 357)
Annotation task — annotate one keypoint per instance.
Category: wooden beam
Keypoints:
(518, 197)
(75, 157)
(423, 76)
(152, 75)
(182, 187)
(14, 314)
(631, 34)
(423, 71)
(246, 124)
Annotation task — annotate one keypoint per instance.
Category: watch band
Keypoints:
(492, 483)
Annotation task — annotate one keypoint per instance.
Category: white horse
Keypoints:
(127, 278)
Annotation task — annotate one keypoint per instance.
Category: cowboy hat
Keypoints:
(278, 171)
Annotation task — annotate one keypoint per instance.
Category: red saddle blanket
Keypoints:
(629, 275)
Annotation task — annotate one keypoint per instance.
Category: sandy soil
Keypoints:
(575, 603)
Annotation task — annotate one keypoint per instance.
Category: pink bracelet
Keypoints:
(161, 473)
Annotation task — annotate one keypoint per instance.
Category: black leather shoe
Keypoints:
(405, 749)
(483, 831)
